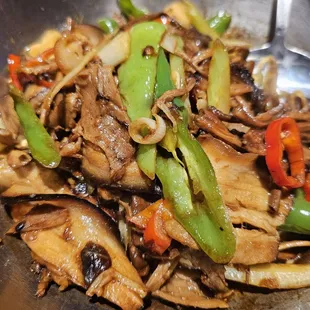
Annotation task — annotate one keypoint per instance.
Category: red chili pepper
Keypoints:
(45, 83)
(14, 64)
(155, 235)
(307, 187)
(283, 135)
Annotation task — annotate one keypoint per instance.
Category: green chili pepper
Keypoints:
(40, 143)
(129, 10)
(199, 22)
(108, 25)
(221, 244)
(177, 67)
(219, 78)
(195, 216)
(220, 22)
(298, 220)
(137, 78)
(205, 219)
(163, 80)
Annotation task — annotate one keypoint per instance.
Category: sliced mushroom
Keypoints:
(41, 217)
(183, 289)
(28, 179)
(213, 273)
(95, 259)
(83, 249)
(161, 274)
(17, 159)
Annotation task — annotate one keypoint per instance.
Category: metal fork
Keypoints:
(293, 64)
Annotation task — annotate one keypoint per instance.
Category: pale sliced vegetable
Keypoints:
(117, 50)
(293, 244)
(272, 276)
(236, 43)
(169, 43)
(266, 75)
(199, 22)
(178, 11)
(156, 130)
(219, 78)
(177, 67)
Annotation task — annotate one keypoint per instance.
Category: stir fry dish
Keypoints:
(144, 158)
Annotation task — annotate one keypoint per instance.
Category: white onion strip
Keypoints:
(156, 128)
(293, 244)
(67, 78)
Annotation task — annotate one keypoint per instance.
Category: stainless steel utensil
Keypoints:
(293, 64)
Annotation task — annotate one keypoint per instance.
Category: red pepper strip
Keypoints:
(14, 64)
(307, 187)
(40, 59)
(152, 220)
(45, 83)
(283, 134)
(155, 235)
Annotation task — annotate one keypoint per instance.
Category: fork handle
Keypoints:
(282, 19)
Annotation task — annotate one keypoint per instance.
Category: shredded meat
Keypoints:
(161, 274)
(183, 288)
(103, 130)
(138, 261)
(254, 141)
(245, 187)
(209, 122)
(257, 96)
(40, 69)
(213, 273)
(70, 147)
(72, 109)
(107, 87)
(9, 123)
(254, 247)
(35, 95)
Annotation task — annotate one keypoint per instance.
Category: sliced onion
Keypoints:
(117, 51)
(93, 34)
(156, 128)
(272, 276)
(68, 53)
(293, 244)
(169, 42)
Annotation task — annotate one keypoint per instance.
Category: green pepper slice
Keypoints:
(108, 25)
(137, 77)
(205, 218)
(220, 22)
(129, 10)
(41, 145)
(298, 220)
